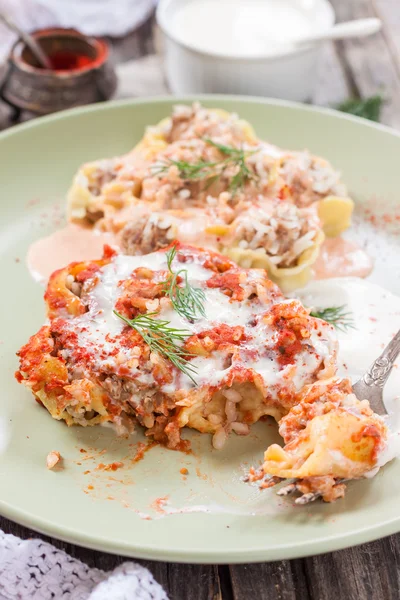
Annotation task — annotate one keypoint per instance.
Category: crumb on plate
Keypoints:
(53, 458)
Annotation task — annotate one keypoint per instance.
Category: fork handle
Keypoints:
(378, 373)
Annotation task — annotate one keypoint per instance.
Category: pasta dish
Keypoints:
(186, 337)
(188, 319)
(204, 177)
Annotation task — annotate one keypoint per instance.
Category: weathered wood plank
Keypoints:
(368, 572)
(200, 582)
(282, 580)
(134, 45)
(370, 61)
(389, 12)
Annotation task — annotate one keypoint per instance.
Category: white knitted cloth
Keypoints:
(35, 570)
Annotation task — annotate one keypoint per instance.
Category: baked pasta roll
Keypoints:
(209, 160)
(298, 177)
(100, 190)
(304, 180)
(195, 121)
(156, 230)
(124, 344)
(185, 337)
(278, 237)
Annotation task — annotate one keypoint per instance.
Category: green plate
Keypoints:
(148, 508)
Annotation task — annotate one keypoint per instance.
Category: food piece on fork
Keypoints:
(329, 436)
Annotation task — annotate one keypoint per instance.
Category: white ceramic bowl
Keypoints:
(290, 74)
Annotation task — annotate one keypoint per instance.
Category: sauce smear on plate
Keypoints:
(341, 258)
(72, 243)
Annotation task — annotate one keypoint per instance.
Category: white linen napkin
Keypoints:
(35, 570)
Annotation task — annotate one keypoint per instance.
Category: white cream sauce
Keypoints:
(238, 27)
(98, 328)
(376, 316)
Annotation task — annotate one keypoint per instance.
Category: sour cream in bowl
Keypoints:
(242, 46)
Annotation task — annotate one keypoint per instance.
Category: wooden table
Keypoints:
(356, 68)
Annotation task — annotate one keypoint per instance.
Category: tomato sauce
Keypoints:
(65, 60)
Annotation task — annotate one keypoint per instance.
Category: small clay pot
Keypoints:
(27, 86)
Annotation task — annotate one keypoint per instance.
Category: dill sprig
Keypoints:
(235, 157)
(368, 108)
(188, 301)
(212, 170)
(337, 316)
(187, 171)
(163, 339)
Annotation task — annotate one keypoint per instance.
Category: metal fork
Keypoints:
(369, 387)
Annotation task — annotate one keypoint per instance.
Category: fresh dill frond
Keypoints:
(170, 257)
(212, 170)
(235, 157)
(187, 171)
(163, 339)
(368, 108)
(227, 150)
(188, 301)
(337, 316)
(243, 175)
(210, 181)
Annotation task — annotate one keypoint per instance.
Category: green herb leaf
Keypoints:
(188, 301)
(336, 316)
(163, 339)
(370, 108)
(234, 157)
(228, 150)
(187, 171)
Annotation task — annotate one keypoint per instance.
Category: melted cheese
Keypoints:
(98, 330)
